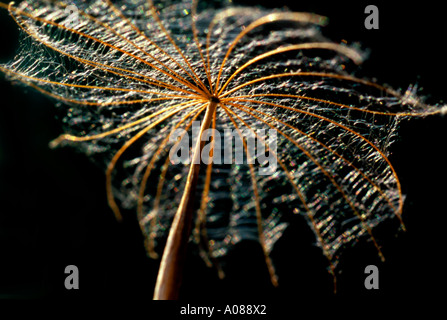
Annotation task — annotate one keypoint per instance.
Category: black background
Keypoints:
(53, 209)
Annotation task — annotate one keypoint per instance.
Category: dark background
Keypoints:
(53, 209)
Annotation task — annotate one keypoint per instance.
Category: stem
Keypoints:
(171, 267)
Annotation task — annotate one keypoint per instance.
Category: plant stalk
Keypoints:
(170, 273)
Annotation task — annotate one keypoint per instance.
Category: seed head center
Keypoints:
(215, 99)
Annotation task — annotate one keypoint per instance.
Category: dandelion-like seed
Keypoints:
(130, 73)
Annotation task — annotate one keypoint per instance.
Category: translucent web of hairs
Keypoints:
(334, 133)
